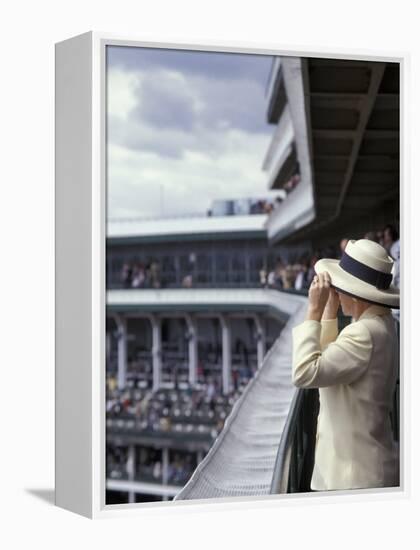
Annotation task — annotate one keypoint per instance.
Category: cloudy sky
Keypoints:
(184, 128)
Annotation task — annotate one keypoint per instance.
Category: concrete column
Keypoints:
(156, 351)
(261, 339)
(165, 465)
(192, 348)
(226, 354)
(122, 351)
(131, 470)
(165, 468)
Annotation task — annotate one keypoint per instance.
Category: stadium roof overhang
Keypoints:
(352, 118)
(289, 151)
(198, 228)
(212, 301)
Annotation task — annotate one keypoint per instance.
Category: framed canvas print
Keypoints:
(228, 274)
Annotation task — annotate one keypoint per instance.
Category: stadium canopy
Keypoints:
(202, 300)
(343, 139)
(187, 228)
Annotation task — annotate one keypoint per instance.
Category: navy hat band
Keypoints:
(378, 279)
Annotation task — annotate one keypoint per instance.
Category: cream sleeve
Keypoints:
(342, 361)
(329, 332)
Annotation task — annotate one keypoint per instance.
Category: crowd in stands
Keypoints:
(180, 468)
(263, 206)
(295, 275)
(298, 275)
(268, 206)
(175, 372)
(245, 206)
(147, 466)
(138, 275)
(284, 276)
(191, 411)
(198, 409)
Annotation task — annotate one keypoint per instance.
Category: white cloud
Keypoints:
(177, 143)
(121, 92)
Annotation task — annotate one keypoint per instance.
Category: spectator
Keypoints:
(277, 201)
(302, 282)
(112, 383)
(126, 275)
(267, 207)
(371, 236)
(392, 244)
(343, 244)
(187, 281)
(288, 277)
(235, 378)
(254, 208)
(271, 279)
(311, 271)
(138, 276)
(279, 275)
(390, 238)
(157, 470)
(210, 390)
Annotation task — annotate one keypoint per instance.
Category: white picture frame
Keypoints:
(80, 276)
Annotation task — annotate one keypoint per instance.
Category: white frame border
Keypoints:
(96, 408)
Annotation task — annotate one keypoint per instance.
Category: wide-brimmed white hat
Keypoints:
(364, 271)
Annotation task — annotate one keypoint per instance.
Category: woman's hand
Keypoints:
(318, 295)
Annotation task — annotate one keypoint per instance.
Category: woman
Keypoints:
(355, 370)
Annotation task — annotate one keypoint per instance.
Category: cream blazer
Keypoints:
(355, 372)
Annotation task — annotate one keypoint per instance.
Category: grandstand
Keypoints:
(190, 316)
